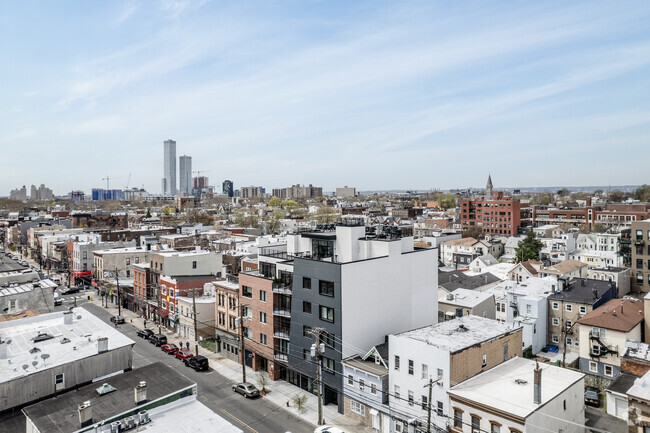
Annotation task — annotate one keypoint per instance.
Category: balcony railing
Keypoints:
(284, 289)
(282, 357)
(281, 333)
(281, 312)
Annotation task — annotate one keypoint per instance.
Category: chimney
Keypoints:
(140, 393)
(102, 344)
(67, 318)
(85, 414)
(595, 292)
(3, 349)
(537, 387)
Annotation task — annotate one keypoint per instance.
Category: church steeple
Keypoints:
(488, 187)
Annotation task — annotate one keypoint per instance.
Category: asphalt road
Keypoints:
(214, 390)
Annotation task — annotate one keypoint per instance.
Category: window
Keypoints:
(556, 321)
(411, 399)
(569, 324)
(593, 367)
(556, 305)
(194, 264)
(262, 317)
(357, 408)
(128, 261)
(569, 341)
(247, 292)
(350, 380)
(639, 277)
(583, 309)
(568, 307)
(263, 295)
(425, 401)
(598, 332)
(458, 418)
(306, 354)
(137, 260)
(321, 248)
(171, 292)
(326, 288)
(396, 392)
(440, 373)
(397, 362)
(326, 313)
(328, 364)
(495, 428)
(555, 339)
(411, 367)
(362, 385)
(306, 283)
(263, 339)
(373, 389)
(164, 291)
(484, 361)
(440, 409)
(476, 424)
(609, 370)
(327, 338)
(248, 333)
(425, 371)
(59, 379)
(306, 331)
(528, 309)
(306, 307)
(639, 263)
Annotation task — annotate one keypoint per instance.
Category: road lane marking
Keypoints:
(240, 421)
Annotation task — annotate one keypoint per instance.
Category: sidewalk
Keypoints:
(279, 392)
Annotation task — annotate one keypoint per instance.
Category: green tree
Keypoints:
(598, 192)
(148, 215)
(528, 248)
(326, 215)
(275, 202)
(563, 192)
(447, 201)
(167, 210)
(617, 196)
(642, 193)
(599, 228)
(289, 204)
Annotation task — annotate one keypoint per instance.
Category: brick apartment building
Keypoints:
(495, 213)
(640, 240)
(609, 215)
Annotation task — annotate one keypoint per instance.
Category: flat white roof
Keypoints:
(199, 299)
(533, 286)
(193, 416)
(466, 298)
(500, 270)
(641, 387)
(452, 337)
(124, 250)
(27, 287)
(498, 387)
(82, 335)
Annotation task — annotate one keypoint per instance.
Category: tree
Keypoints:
(326, 215)
(167, 210)
(599, 228)
(642, 193)
(617, 196)
(473, 232)
(447, 201)
(274, 202)
(598, 192)
(528, 248)
(148, 215)
(299, 400)
(563, 192)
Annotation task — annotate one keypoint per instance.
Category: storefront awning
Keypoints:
(164, 313)
(79, 274)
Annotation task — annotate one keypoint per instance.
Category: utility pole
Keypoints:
(196, 335)
(159, 308)
(430, 386)
(119, 300)
(241, 339)
(317, 350)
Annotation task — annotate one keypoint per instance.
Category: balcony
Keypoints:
(281, 312)
(281, 288)
(281, 333)
(281, 357)
(640, 242)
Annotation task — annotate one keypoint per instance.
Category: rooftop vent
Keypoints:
(102, 345)
(85, 414)
(462, 328)
(42, 336)
(67, 318)
(34, 350)
(140, 392)
(521, 381)
(105, 389)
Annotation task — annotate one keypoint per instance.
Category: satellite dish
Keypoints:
(34, 363)
(8, 341)
(45, 356)
(78, 317)
(25, 366)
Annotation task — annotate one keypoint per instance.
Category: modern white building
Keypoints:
(442, 355)
(185, 175)
(169, 168)
(513, 397)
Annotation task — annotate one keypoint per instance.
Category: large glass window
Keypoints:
(326, 288)
(267, 269)
(247, 292)
(326, 313)
(322, 248)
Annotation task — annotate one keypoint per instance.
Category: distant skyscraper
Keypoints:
(169, 167)
(227, 188)
(185, 174)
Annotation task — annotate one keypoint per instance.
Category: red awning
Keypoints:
(164, 313)
(79, 274)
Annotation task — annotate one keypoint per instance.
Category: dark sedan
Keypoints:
(117, 320)
(144, 333)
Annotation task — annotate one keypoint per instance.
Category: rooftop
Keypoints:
(460, 333)
(465, 298)
(59, 414)
(67, 343)
(125, 250)
(471, 282)
(27, 287)
(369, 366)
(641, 388)
(618, 314)
(614, 269)
(623, 383)
(508, 387)
(637, 350)
(564, 267)
(466, 242)
(196, 417)
(581, 290)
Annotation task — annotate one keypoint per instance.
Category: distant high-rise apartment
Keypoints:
(227, 188)
(169, 167)
(185, 174)
(346, 192)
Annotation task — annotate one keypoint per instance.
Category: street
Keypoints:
(214, 390)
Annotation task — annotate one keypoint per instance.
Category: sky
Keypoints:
(372, 94)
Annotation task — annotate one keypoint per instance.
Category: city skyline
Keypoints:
(435, 95)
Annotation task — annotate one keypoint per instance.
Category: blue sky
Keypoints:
(377, 95)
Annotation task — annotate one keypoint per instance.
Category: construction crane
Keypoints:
(128, 182)
(201, 171)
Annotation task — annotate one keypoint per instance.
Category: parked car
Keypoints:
(198, 363)
(246, 389)
(328, 429)
(592, 397)
(183, 354)
(170, 348)
(117, 320)
(158, 339)
(71, 290)
(57, 299)
(144, 333)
